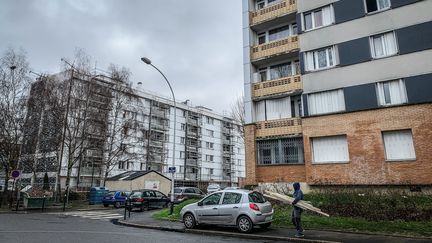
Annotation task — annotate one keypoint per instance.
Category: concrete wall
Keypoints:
(366, 26)
(369, 72)
(367, 165)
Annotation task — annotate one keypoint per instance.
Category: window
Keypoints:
(280, 151)
(330, 149)
(326, 102)
(182, 155)
(210, 132)
(383, 45)
(272, 109)
(213, 199)
(260, 4)
(320, 59)
(231, 198)
(279, 33)
(209, 158)
(377, 5)
(256, 197)
(210, 120)
(391, 92)
(317, 18)
(211, 170)
(121, 165)
(183, 127)
(261, 38)
(399, 145)
(182, 140)
(209, 145)
(189, 190)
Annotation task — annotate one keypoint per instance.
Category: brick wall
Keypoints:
(281, 173)
(250, 154)
(367, 165)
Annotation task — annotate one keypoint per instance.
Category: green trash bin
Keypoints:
(36, 202)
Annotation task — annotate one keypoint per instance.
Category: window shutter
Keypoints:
(399, 145)
(330, 149)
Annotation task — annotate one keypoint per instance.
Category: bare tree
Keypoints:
(238, 113)
(14, 86)
(122, 121)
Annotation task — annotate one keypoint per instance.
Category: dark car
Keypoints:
(146, 199)
(183, 193)
(116, 198)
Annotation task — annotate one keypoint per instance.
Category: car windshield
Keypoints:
(177, 190)
(256, 197)
(136, 194)
(213, 187)
(109, 194)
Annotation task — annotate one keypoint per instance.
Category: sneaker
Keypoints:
(299, 235)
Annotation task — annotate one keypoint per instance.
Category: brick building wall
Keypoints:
(367, 165)
(281, 173)
(250, 154)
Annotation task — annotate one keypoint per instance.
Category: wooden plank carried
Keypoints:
(288, 200)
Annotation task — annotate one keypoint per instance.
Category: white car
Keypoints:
(213, 188)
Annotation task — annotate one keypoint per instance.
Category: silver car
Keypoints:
(241, 208)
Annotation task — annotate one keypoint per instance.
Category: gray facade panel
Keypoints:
(299, 23)
(400, 3)
(302, 64)
(355, 51)
(415, 38)
(360, 97)
(346, 10)
(419, 88)
(305, 105)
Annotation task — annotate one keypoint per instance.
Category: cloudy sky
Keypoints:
(196, 43)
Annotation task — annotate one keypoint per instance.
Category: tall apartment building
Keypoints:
(106, 128)
(338, 91)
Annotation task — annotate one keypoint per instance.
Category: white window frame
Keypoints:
(395, 154)
(343, 148)
(384, 45)
(401, 89)
(340, 98)
(312, 13)
(312, 59)
(266, 33)
(378, 9)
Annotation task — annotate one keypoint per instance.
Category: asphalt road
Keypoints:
(88, 227)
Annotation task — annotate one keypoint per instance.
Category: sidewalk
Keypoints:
(144, 220)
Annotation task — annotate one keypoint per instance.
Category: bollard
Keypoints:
(43, 203)
(64, 202)
(124, 218)
(171, 208)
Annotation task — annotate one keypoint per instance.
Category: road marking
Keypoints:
(100, 215)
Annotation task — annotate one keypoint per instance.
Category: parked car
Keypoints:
(116, 198)
(241, 208)
(213, 188)
(183, 193)
(146, 199)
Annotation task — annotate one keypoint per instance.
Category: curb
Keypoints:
(220, 233)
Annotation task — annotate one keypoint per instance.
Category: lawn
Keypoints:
(282, 216)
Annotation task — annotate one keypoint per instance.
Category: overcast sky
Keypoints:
(196, 43)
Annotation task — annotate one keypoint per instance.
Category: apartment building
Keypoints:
(338, 92)
(101, 127)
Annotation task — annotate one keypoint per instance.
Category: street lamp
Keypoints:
(148, 62)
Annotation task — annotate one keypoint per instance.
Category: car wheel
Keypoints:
(144, 207)
(244, 224)
(189, 221)
(117, 204)
(106, 205)
(265, 226)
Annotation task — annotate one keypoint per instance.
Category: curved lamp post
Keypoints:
(148, 62)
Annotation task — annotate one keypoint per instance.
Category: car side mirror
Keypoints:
(200, 203)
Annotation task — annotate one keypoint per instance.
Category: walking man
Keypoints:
(296, 213)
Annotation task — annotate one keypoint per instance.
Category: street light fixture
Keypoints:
(148, 62)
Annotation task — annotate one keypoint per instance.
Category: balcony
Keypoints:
(276, 128)
(274, 48)
(289, 84)
(192, 162)
(273, 11)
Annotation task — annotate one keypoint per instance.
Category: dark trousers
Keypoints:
(296, 220)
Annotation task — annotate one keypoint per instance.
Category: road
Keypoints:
(88, 227)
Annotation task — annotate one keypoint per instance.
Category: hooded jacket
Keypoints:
(297, 195)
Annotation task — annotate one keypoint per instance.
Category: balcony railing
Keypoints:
(273, 11)
(274, 48)
(281, 127)
(277, 86)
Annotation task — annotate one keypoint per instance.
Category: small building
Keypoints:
(136, 180)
